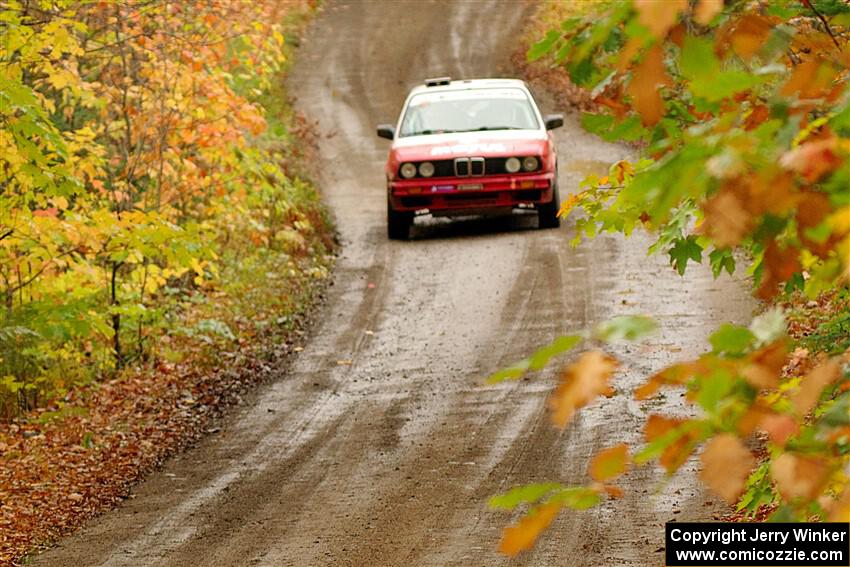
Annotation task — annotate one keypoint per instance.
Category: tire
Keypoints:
(547, 214)
(398, 223)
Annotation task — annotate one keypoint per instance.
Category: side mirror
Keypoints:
(554, 121)
(386, 131)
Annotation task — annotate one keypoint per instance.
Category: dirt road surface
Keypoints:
(380, 445)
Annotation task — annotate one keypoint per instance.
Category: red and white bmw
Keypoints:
(470, 147)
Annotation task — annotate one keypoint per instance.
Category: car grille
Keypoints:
(444, 168)
(492, 166)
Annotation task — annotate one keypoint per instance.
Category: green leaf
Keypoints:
(625, 327)
(838, 414)
(562, 344)
(841, 120)
(576, 497)
(706, 79)
(725, 84)
(783, 514)
(570, 24)
(699, 65)
(831, 8)
(530, 493)
(596, 123)
(759, 491)
(581, 71)
(713, 388)
(656, 447)
(543, 46)
(796, 282)
(538, 360)
(629, 130)
(683, 250)
(512, 372)
(731, 339)
(721, 259)
(697, 60)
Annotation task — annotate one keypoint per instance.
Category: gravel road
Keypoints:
(379, 446)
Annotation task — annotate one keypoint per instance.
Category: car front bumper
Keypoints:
(460, 194)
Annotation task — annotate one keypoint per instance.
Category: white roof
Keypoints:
(471, 84)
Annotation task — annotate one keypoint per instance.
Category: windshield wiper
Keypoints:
(426, 132)
(494, 128)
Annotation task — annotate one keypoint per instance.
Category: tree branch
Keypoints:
(823, 21)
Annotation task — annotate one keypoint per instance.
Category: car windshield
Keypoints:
(468, 111)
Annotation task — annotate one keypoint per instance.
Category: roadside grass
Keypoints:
(548, 16)
(79, 453)
(820, 325)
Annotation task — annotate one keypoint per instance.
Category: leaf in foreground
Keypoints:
(731, 339)
(581, 383)
(670, 440)
(523, 535)
(529, 493)
(765, 365)
(798, 476)
(726, 464)
(538, 360)
(813, 384)
(647, 77)
(678, 374)
(625, 327)
(706, 10)
(610, 463)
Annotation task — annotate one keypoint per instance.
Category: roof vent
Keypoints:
(437, 81)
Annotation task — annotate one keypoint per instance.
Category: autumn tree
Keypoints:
(741, 114)
(134, 154)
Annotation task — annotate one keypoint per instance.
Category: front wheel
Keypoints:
(398, 223)
(547, 214)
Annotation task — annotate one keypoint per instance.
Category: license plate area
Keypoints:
(470, 187)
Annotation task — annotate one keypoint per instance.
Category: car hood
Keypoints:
(467, 144)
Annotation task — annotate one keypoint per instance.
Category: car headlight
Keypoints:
(512, 165)
(530, 163)
(426, 169)
(408, 170)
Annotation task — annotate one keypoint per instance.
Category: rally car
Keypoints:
(470, 147)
